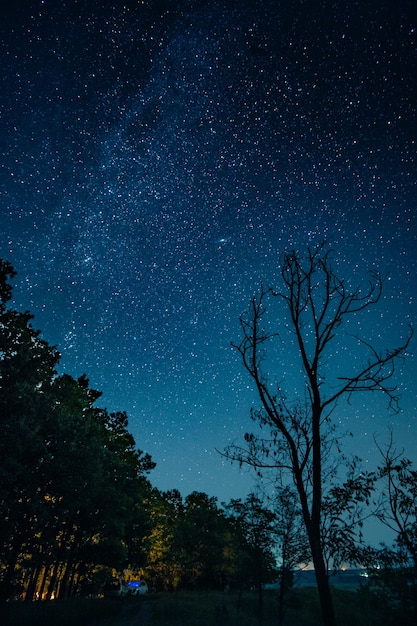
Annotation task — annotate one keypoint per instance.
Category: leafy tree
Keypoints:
(199, 542)
(7, 272)
(72, 483)
(316, 303)
(192, 543)
(162, 566)
(394, 570)
(398, 508)
(345, 507)
(27, 367)
(390, 583)
(100, 489)
(90, 487)
(256, 526)
(291, 543)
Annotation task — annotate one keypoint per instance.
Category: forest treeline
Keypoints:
(77, 505)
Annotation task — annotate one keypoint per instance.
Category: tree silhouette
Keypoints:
(256, 529)
(316, 303)
(290, 537)
(72, 483)
(399, 504)
(398, 511)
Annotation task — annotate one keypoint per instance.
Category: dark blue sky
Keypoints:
(155, 163)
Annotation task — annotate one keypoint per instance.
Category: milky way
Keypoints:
(155, 163)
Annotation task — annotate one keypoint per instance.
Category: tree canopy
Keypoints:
(71, 479)
(76, 504)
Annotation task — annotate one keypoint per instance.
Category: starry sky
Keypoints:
(157, 158)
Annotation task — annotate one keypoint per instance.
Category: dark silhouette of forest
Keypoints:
(78, 506)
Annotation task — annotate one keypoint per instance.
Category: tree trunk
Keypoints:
(6, 585)
(74, 580)
(323, 587)
(32, 583)
(64, 584)
(312, 524)
(260, 601)
(281, 599)
(320, 568)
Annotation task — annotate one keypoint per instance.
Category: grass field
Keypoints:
(75, 612)
(353, 608)
(302, 609)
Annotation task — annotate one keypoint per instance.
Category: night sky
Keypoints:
(157, 158)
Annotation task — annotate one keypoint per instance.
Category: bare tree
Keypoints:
(299, 437)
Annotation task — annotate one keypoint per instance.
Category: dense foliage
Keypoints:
(71, 480)
(76, 505)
